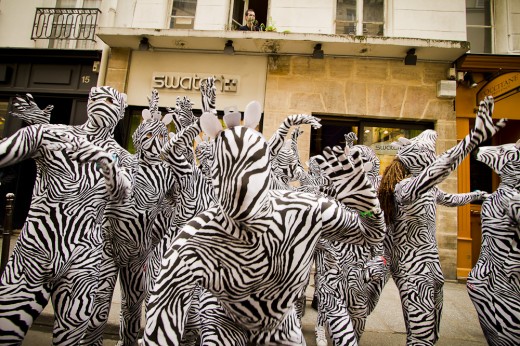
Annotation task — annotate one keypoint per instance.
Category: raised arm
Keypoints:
(277, 140)
(175, 150)
(448, 161)
(360, 211)
(27, 110)
(28, 141)
(117, 179)
(459, 199)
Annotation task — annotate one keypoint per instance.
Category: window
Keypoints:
(360, 17)
(183, 14)
(479, 25)
(239, 10)
(377, 135)
(4, 107)
(78, 29)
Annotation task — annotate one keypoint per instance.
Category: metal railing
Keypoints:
(65, 23)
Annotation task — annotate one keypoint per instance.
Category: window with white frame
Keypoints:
(183, 14)
(479, 25)
(360, 17)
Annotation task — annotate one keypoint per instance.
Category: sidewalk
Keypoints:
(385, 326)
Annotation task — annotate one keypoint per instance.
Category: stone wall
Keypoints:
(370, 88)
(117, 69)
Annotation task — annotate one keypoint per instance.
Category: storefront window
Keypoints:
(377, 135)
(381, 138)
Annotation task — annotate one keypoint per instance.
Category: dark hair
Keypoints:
(394, 173)
(250, 10)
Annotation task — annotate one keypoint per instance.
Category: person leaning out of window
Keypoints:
(251, 22)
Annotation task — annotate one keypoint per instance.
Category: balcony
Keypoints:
(78, 24)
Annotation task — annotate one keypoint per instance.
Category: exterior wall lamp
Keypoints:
(410, 58)
(228, 48)
(318, 52)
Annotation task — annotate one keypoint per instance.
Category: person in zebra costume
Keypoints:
(128, 229)
(285, 164)
(408, 195)
(253, 251)
(57, 255)
(193, 194)
(494, 282)
(345, 272)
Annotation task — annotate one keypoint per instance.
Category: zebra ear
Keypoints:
(210, 124)
(125, 99)
(167, 119)
(401, 142)
(252, 114)
(404, 141)
(146, 114)
(517, 144)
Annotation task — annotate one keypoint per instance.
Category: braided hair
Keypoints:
(394, 173)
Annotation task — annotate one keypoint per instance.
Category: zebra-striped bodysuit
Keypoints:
(253, 251)
(194, 194)
(415, 264)
(494, 283)
(128, 227)
(58, 251)
(345, 273)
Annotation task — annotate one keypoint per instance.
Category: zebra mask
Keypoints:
(241, 164)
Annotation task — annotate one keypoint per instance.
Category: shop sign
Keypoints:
(501, 87)
(384, 148)
(190, 82)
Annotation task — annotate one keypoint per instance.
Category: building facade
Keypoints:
(380, 68)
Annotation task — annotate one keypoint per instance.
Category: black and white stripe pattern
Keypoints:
(253, 251)
(58, 251)
(494, 283)
(415, 264)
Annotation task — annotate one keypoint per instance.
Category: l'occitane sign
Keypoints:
(500, 87)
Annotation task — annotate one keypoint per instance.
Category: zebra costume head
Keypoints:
(204, 153)
(417, 153)
(504, 160)
(152, 134)
(106, 106)
(182, 113)
(368, 155)
(241, 163)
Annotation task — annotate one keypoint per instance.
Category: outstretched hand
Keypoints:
(348, 178)
(27, 110)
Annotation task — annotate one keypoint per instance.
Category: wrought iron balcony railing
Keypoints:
(65, 23)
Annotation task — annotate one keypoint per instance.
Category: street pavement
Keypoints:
(385, 326)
